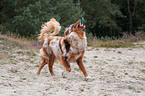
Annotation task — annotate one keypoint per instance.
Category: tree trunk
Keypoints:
(130, 17)
(131, 14)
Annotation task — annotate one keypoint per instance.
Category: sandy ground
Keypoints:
(113, 72)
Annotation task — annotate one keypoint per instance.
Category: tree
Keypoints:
(100, 16)
(26, 17)
(69, 12)
(133, 11)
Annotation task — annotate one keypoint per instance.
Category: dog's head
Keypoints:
(74, 27)
(78, 26)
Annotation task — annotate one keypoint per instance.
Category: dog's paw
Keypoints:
(64, 73)
(38, 73)
(88, 78)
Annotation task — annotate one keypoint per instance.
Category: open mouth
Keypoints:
(73, 27)
(81, 27)
(78, 25)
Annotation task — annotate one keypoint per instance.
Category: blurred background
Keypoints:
(103, 18)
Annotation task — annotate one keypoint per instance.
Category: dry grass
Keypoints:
(111, 44)
(16, 38)
(29, 42)
(126, 40)
(11, 45)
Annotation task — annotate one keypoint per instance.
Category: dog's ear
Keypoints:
(66, 31)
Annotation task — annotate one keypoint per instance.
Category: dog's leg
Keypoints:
(50, 65)
(43, 60)
(66, 64)
(81, 66)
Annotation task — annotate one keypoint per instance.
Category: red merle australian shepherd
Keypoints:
(66, 49)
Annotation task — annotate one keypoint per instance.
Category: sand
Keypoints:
(113, 72)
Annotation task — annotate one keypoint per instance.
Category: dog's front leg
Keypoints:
(66, 64)
(81, 66)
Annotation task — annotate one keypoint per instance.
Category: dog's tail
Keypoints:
(48, 27)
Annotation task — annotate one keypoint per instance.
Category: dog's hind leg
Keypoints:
(81, 66)
(43, 60)
(51, 61)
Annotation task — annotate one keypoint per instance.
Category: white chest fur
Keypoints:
(78, 44)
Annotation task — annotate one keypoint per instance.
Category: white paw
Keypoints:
(64, 73)
(87, 78)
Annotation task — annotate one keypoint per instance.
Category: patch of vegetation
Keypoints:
(84, 61)
(107, 50)
(108, 42)
(143, 70)
(89, 49)
(109, 60)
(97, 49)
(126, 73)
(3, 62)
(20, 52)
(90, 67)
(130, 87)
(95, 56)
(34, 77)
(119, 52)
(14, 63)
(12, 48)
(130, 49)
(142, 62)
(37, 65)
(10, 42)
(112, 73)
(31, 61)
(105, 62)
(34, 54)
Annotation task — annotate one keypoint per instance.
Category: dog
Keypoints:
(48, 27)
(66, 49)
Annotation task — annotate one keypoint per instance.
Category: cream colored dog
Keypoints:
(48, 27)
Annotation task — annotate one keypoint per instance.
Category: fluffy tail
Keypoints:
(48, 27)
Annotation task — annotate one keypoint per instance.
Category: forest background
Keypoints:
(103, 18)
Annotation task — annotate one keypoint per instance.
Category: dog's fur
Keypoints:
(68, 48)
(48, 27)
